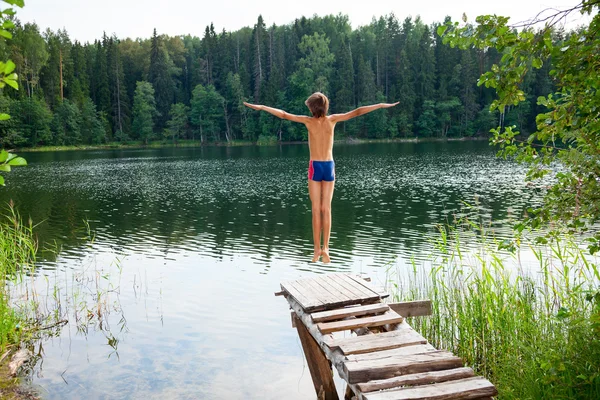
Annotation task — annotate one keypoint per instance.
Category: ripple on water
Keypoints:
(195, 242)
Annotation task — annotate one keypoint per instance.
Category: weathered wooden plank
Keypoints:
(312, 296)
(313, 290)
(335, 281)
(400, 351)
(469, 388)
(422, 378)
(297, 293)
(320, 369)
(359, 289)
(403, 336)
(339, 296)
(341, 313)
(332, 286)
(407, 309)
(389, 317)
(363, 371)
(348, 286)
(368, 286)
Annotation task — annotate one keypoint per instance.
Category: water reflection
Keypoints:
(203, 236)
(222, 201)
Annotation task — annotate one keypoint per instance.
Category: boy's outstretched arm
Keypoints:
(360, 111)
(278, 113)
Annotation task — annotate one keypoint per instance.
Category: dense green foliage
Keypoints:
(8, 77)
(388, 60)
(568, 119)
(534, 336)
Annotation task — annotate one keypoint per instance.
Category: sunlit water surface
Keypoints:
(190, 244)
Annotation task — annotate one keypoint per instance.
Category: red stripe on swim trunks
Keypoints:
(311, 170)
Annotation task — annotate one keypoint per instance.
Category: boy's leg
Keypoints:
(314, 191)
(327, 195)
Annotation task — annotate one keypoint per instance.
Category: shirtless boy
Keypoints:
(321, 168)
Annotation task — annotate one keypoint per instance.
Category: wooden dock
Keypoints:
(387, 359)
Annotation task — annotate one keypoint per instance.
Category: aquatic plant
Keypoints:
(533, 330)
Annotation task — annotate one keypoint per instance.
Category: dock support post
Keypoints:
(318, 364)
(349, 393)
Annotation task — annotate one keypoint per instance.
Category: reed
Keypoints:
(532, 330)
(18, 248)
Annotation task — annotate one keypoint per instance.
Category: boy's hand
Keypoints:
(253, 106)
(388, 105)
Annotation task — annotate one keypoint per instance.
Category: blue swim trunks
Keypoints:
(321, 171)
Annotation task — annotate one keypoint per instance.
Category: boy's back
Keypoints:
(320, 138)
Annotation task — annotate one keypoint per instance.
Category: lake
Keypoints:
(169, 294)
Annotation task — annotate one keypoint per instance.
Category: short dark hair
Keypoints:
(318, 104)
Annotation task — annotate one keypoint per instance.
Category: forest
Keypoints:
(173, 88)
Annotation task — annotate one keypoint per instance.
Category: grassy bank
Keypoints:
(17, 257)
(263, 141)
(18, 248)
(534, 334)
(134, 145)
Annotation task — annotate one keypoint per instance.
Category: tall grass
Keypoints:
(534, 332)
(17, 258)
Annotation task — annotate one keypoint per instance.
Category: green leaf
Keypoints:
(5, 34)
(17, 162)
(9, 67)
(1, 180)
(536, 63)
(12, 82)
(8, 24)
(4, 117)
(18, 3)
(442, 29)
(3, 156)
(5, 167)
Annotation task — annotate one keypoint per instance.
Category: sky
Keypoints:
(86, 20)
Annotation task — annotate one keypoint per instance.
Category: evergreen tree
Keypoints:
(144, 112)
(66, 124)
(92, 129)
(120, 101)
(207, 111)
(259, 64)
(80, 90)
(100, 78)
(159, 75)
(32, 119)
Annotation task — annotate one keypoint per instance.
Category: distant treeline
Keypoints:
(186, 87)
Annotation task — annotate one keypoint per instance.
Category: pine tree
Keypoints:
(259, 64)
(100, 78)
(80, 88)
(159, 75)
(120, 101)
(92, 131)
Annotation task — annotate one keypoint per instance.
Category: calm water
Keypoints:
(190, 244)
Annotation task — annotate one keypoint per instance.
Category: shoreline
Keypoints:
(193, 144)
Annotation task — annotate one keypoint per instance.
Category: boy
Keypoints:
(321, 168)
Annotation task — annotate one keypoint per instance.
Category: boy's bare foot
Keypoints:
(316, 256)
(325, 255)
